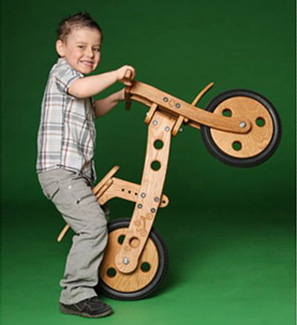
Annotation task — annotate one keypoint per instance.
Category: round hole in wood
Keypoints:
(134, 242)
(121, 239)
(227, 112)
(156, 165)
(158, 144)
(236, 145)
(111, 272)
(145, 266)
(260, 122)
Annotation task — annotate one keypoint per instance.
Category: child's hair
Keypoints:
(81, 19)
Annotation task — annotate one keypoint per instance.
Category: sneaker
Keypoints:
(91, 307)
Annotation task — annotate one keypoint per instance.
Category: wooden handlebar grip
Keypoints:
(128, 76)
(127, 96)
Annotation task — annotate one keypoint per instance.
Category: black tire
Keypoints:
(251, 161)
(158, 278)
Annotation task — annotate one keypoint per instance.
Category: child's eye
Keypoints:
(81, 46)
(97, 49)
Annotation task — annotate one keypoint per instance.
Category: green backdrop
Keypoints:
(230, 232)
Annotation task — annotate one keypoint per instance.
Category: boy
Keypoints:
(65, 166)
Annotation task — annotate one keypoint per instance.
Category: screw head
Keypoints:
(155, 122)
(126, 260)
(167, 128)
(242, 125)
(165, 99)
(139, 206)
(156, 199)
(177, 105)
(153, 210)
(143, 195)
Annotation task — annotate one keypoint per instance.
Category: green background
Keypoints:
(230, 232)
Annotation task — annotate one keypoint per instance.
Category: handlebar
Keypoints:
(128, 74)
(128, 77)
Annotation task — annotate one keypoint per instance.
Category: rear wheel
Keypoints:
(147, 277)
(252, 148)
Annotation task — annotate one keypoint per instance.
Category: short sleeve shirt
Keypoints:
(66, 136)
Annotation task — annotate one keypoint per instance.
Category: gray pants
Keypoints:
(73, 197)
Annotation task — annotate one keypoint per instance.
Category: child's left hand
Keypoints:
(121, 72)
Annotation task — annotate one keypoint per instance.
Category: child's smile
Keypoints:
(81, 49)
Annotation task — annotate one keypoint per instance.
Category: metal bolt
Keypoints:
(126, 260)
(156, 199)
(153, 210)
(139, 206)
(165, 99)
(242, 124)
(155, 122)
(143, 195)
(167, 128)
(177, 105)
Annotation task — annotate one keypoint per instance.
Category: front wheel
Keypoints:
(147, 277)
(252, 148)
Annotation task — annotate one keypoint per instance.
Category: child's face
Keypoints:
(81, 49)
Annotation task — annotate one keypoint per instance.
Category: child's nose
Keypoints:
(90, 53)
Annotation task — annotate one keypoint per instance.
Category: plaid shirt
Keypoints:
(66, 136)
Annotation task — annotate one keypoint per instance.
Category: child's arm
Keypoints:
(92, 85)
(103, 106)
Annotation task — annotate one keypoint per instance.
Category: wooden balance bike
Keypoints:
(239, 127)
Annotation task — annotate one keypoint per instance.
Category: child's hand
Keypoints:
(121, 74)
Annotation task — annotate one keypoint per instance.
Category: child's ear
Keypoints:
(60, 48)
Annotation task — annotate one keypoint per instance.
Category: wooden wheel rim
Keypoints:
(244, 145)
(136, 280)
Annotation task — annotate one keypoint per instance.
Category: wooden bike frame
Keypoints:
(165, 117)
